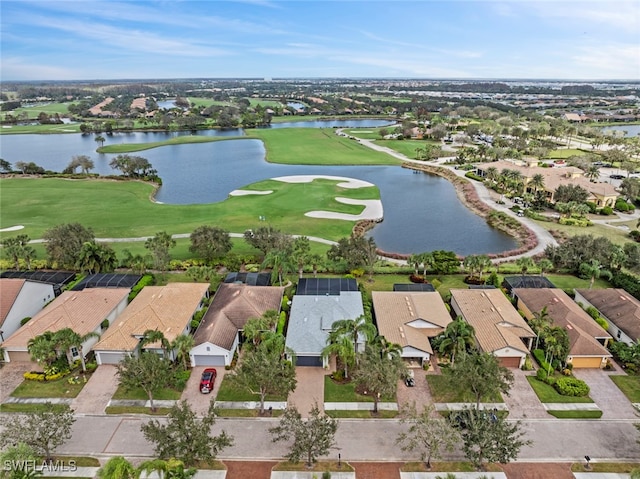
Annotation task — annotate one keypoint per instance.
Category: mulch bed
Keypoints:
(377, 470)
(249, 469)
(536, 470)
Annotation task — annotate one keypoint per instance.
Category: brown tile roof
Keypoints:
(496, 322)
(164, 308)
(232, 306)
(82, 311)
(566, 313)
(617, 306)
(410, 318)
(9, 291)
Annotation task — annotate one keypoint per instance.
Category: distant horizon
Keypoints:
(519, 40)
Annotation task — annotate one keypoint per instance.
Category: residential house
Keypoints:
(619, 308)
(20, 299)
(317, 304)
(82, 311)
(587, 340)
(219, 334)
(410, 319)
(499, 329)
(168, 309)
(525, 281)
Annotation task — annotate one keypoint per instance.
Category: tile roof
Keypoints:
(566, 313)
(618, 306)
(164, 308)
(312, 317)
(232, 306)
(496, 322)
(410, 318)
(82, 311)
(9, 291)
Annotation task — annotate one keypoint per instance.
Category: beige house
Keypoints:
(218, 335)
(602, 194)
(410, 319)
(499, 329)
(619, 308)
(82, 311)
(587, 340)
(168, 309)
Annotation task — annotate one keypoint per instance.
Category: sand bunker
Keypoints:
(345, 182)
(372, 211)
(12, 228)
(250, 192)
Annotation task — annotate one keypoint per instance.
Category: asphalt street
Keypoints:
(362, 440)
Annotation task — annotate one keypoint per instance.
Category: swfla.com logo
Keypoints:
(31, 465)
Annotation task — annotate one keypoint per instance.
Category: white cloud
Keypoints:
(20, 69)
(618, 14)
(609, 61)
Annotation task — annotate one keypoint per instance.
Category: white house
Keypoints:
(20, 299)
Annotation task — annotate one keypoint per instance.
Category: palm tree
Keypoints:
(342, 348)
(42, 348)
(525, 263)
(545, 265)
(315, 259)
(67, 338)
(353, 329)
(427, 262)
(540, 323)
(415, 261)
(594, 270)
(301, 253)
(94, 258)
(100, 139)
(491, 174)
(117, 468)
(386, 348)
(280, 262)
(593, 172)
(457, 336)
(537, 182)
(182, 345)
(151, 336)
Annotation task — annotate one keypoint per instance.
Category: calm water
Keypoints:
(631, 130)
(422, 212)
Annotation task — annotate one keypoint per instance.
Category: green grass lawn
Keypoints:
(317, 146)
(42, 129)
(319, 466)
(406, 147)
(547, 394)
(48, 389)
(629, 385)
(362, 414)
(576, 414)
(161, 411)
(619, 467)
(616, 235)
(178, 140)
(245, 412)
(443, 392)
(334, 392)
(122, 208)
(21, 407)
(452, 466)
(34, 111)
(230, 390)
(164, 394)
(563, 153)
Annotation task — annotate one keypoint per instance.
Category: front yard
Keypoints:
(629, 385)
(346, 392)
(164, 394)
(548, 394)
(66, 387)
(443, 391)
(230, 390)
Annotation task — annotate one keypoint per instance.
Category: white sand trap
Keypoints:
(12, 228)
(345, 182)
(250, 192)
(372, 211)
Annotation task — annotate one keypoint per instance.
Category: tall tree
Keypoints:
(264, 370)
(67, 338)
(151, 336)
(428, 432)
(210, 242)
(43, 349)
(355, 329)
(159, 245)
(166, 469)
(342, 347)
(100, 140)
(525, 264)
(148, 371)
(457, 337)
(378, 374)
(594, 270)
(185, 436)
(481, 375)
(44, 429)
(16, 461)
(64, 242)
(117, 467)
(133, 166)
(17, 248)
(311, 438)
(182, 345)
(267, 238)
(280, 261)
(540, 323)
(567, 193)
(96, 258)
(301, 253)
(489, 437)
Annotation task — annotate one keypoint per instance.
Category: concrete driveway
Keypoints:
(200, 402)
(605, 393)
(11, 377)
(309, 390)
(522, 400)
(96, 394)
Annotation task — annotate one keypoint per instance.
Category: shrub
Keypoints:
(284, 305)
(281, 323)
(635, 235)
(24, 321)
(473, 176)
(593, 312)
(91, 367)
(146, 280)
(574, 221)
(570, 386)
(180, 379)
(592, 206)
(436, 283)
(104, 324)
(542, 375)
(606, 211)
(528, 365)
(602, 322)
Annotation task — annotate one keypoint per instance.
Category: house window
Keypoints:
(208, 348)
(619, 334)
(74, 352)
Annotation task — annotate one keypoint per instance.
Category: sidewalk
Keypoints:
(571, 406)
(359, 406)
(457, 406)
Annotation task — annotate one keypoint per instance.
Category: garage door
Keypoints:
(588, 362)
(19, 356)
(315, 361)
(510, 362)
(206, 360)
(110, 358)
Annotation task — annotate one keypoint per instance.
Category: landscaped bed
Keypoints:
(453, 466)
(547, 393)
(160, 411)
(60, 388)
(382, 414)
(319, 466)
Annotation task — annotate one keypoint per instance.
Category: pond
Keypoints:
(630, 130)
(421, 212)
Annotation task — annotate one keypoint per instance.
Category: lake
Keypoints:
(421, 211)
(631, 130)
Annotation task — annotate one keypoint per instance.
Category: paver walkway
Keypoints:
(522, 400)
(96, 394)
(11, 377)
(309, 390)
(613, 403)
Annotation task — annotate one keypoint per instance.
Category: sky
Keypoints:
(466, 39)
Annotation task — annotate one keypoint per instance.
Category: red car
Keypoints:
(207, 380)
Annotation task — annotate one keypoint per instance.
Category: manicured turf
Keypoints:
(576, 414)
(629, 385)
(443, 392)
(121, 209)
(317, 146)
(334, 392)
(178, 140)
(319, 466)
(161, 411)
(362, 414)
(563, 154)
(48, 389)
(46, 129)
(230, 390)
(244, 413)
(547, 394)
(619, 467)
(164, 394)
(616, 235)
(406, 147)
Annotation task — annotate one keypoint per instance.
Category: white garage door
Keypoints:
(110, 358)
(206, 360)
